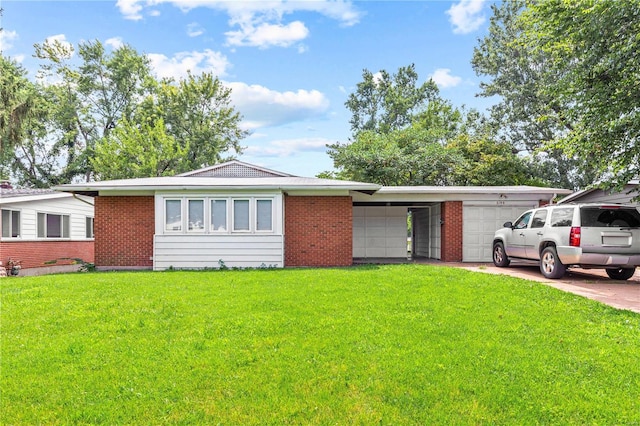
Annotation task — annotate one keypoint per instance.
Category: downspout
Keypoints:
(80, 199)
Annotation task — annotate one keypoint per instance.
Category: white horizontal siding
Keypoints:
(77, 210)
(207, 251)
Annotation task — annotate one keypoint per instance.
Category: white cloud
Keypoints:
(466, 16)
(262, 107)
(183, 62)
(266, 35)
(130, 9)
(6, 39)
(260, 23)
(114, 42)
(443, 78)
(288, 147)
(194, 30)
(61, 39)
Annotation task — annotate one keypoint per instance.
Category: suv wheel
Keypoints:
(550, 264)
(500, 258)
(621, 273)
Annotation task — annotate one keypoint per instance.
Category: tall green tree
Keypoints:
(134, 150)
(594, 51)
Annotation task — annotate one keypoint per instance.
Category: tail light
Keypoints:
(574, 236)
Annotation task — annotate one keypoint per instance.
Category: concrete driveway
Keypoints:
(591, 283)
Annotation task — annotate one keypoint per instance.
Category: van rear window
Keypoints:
(609, 217)
(562, 217)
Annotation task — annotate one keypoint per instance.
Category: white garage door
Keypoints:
(479, 225)
(379, 231)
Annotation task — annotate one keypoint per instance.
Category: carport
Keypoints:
(452, 224)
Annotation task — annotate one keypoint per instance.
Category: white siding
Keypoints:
(379, 231)
(480, 223)
(207, 251)
(600, 196)
(77, 210)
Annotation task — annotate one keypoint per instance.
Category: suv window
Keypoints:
(562, 217)
(602, 217)
(522, 221)
(539, 219)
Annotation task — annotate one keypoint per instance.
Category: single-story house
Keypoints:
(43, 228)
(597, 195)
(240, 215)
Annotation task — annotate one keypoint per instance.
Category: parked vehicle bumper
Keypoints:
(575, 256)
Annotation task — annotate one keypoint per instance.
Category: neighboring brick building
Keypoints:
(44, 229)
(240, 215)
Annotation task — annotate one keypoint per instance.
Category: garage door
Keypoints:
(379, 231)
(479, 225)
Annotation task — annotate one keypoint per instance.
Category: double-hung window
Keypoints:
(241, 215)
(53, 225)
(10, 223)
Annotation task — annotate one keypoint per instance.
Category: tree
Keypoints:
(17, 101)
(383, 102)
(594, 51)
(529, 117)
(138, 150)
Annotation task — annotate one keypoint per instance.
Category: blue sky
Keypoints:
(290, 65)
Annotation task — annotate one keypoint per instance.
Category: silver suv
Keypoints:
(565, 235)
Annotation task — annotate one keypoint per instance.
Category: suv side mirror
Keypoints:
(508, 225)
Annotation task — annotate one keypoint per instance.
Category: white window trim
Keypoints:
(230, 219)
(93, 229)
(11, 237)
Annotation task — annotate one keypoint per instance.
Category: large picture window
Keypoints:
(53, 225)
(10, 223)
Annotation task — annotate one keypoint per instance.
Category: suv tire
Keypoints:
(500, 258)
(550, 265)
(621, 273)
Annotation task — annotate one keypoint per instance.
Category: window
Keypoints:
(264, 215)
(562, 217)
(10, 223)
(218, 215)
(522, 221)
(53, 225)
(89, 227)
(173, 215)
(539, 219)
(196, 215)
(241, 215)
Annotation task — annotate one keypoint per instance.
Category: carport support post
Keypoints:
(451, 231)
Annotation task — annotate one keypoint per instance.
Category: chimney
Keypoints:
(5, 184)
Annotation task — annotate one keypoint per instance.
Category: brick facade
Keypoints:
(318, 231)
(451, 235)
(37, 254)
(124, 229)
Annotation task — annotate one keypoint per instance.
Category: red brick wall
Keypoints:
(318, 231)
(35, 254)
(451, 235)
(124, 229)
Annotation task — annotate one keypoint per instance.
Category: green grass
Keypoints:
(403, 344)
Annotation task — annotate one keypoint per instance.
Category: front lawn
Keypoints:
(403, 344)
